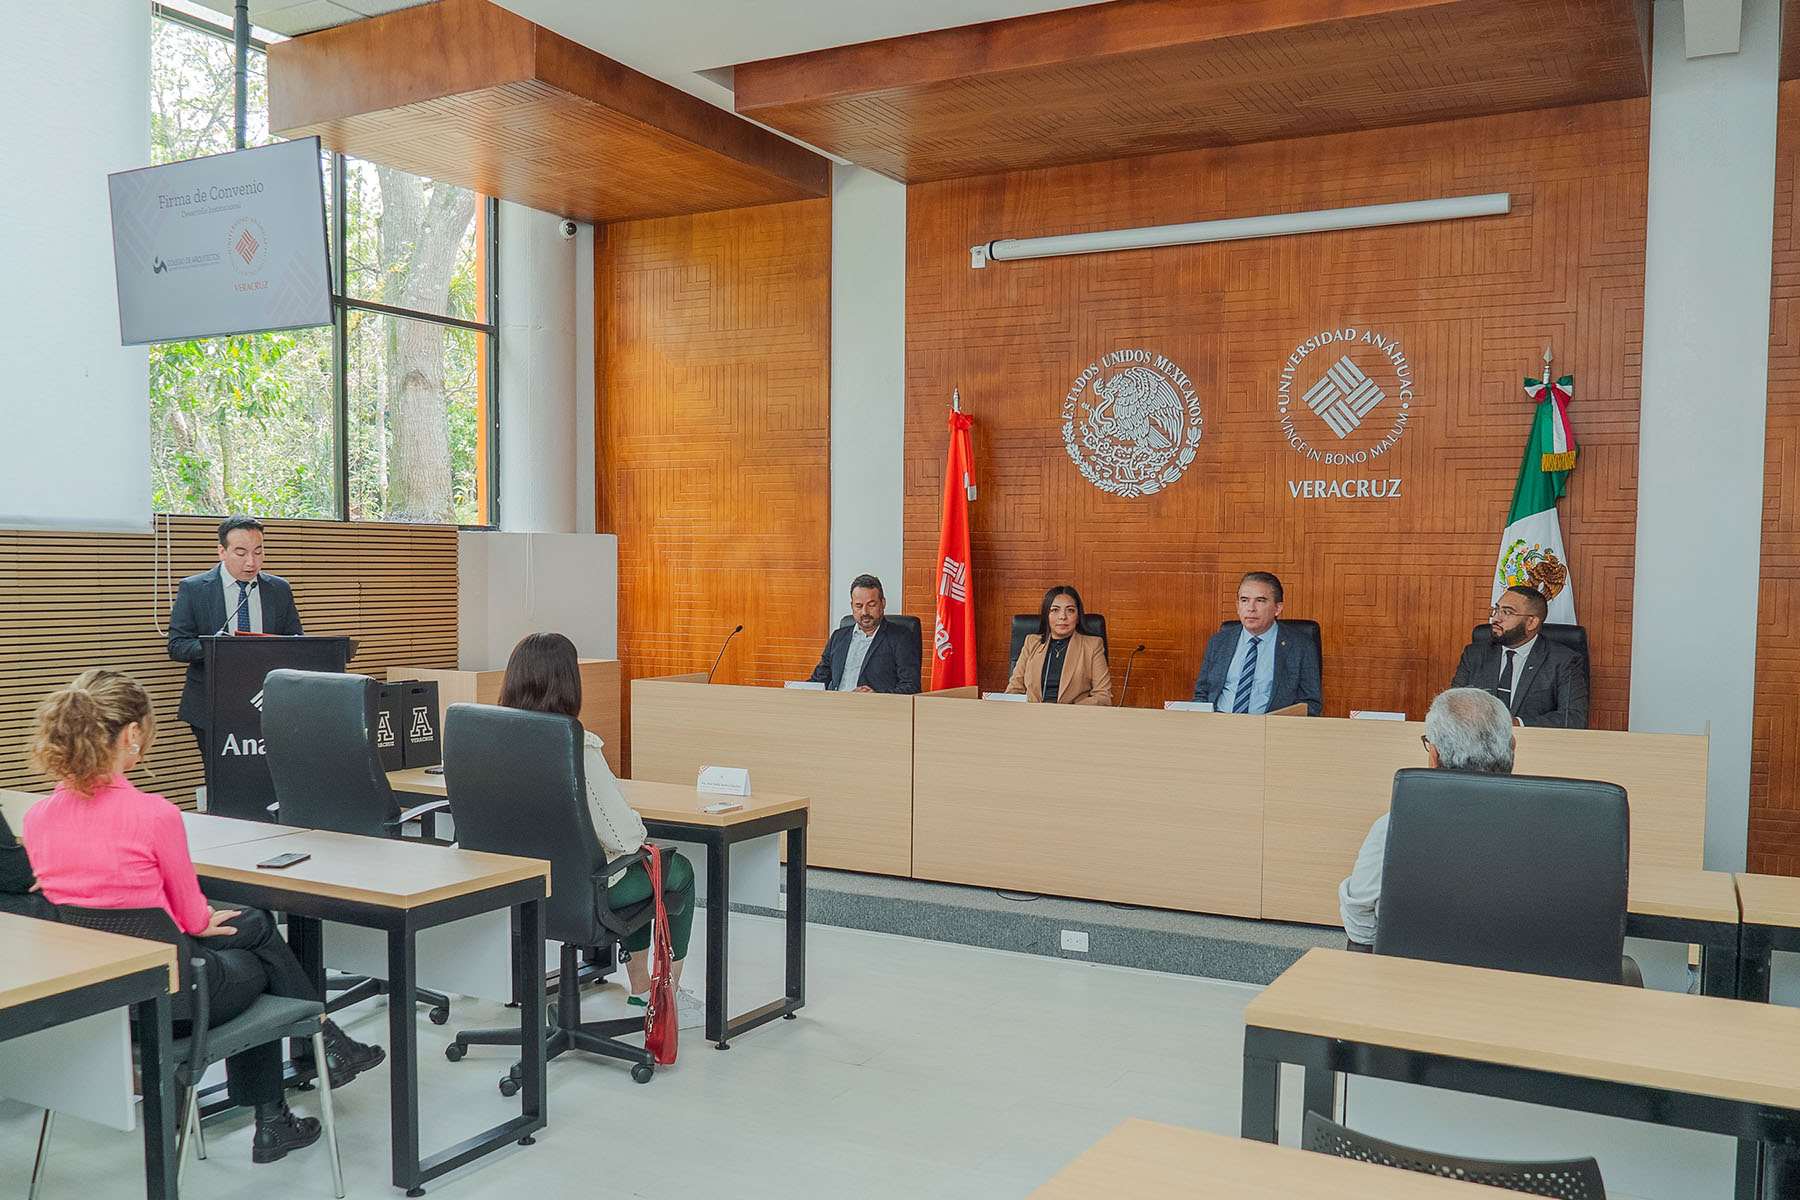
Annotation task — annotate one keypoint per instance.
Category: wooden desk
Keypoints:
(600, 694)
(851, 753)
(400, 888)
(1770, 908)
(51, 974)
(1142, 1160)
(1327, 779)
(672, 810)
(1134, 805)
(1696, 1062)
(1694, 907)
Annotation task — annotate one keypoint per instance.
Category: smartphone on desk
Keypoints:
(282, 861)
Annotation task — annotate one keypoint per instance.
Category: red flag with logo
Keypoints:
(953, 644)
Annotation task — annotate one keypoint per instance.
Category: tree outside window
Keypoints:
(253, 422)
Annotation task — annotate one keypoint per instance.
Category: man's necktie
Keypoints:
(1504, 691)
(1246, 679)
(243, 607)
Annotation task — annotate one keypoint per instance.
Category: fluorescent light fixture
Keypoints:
(1446, 208)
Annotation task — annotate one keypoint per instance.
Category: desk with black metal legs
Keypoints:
(671, 810)
(400, 888)
(52, 974)
(1706, 1063)
(1770, 910)
(1694, 907)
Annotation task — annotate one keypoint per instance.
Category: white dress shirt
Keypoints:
(616, 824)
(1520, 653)
(1359, 897)
(855, 656)
(231, 602)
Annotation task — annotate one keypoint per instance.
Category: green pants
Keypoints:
(678, 884)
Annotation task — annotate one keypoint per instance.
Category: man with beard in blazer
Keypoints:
(872, 654)
(1541, 682)
(1256, 666)
(236, 596)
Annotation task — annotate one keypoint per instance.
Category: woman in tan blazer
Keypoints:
(1059, 663)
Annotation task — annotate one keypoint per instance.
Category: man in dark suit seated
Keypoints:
(873, 654)
(1257, 668)
(236, 596)
(1539, 681)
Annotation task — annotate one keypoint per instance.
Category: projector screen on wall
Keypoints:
(230, 243)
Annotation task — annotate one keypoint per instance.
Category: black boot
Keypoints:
(348, 1057)
(278, 1131)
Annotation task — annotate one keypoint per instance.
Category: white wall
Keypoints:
(868, 387)
(538, 305)
(1705, 381)
(75, 404)
(512, 584)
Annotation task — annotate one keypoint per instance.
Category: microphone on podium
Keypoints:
(1126, 687)
(727, 642)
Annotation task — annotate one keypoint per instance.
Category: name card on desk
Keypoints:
(724, 781)
(1372, 714)
(1187, 706)
(1016, 697)
(804, 685)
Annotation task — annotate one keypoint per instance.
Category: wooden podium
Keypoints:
(599, 694)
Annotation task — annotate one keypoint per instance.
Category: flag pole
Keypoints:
(955, 399)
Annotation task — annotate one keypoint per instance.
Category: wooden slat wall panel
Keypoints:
(69, 601)
(1396, 584)
(714, 438)
(1774, 834)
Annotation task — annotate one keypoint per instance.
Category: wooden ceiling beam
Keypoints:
(1139, 77)
(470, 93)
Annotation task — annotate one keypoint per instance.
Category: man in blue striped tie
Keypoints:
(1256, 666)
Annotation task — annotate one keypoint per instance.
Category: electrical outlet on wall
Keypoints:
(1075, 940)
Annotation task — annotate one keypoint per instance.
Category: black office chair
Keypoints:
(1574, 637)
(517, 786)
(1515, 872)
(268, 1019)
(1566, 1179)
(1307, 629)
(319, 738)
(1026, 624)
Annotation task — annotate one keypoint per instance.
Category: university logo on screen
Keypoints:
(1345, 399)
(1131, 423)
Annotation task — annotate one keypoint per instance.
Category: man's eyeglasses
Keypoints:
(1504, 610)
(1424, 741)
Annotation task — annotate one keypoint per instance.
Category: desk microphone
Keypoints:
(728, 638)
(1127, 685)
(243, 603)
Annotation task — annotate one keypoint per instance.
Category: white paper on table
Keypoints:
(724, 781)
(804, 685)
(1375, 714)
(1188, 705)
(1014, 697)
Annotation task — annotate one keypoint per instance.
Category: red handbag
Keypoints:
(662, 1020)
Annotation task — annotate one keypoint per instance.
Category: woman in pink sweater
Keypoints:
(98, 842)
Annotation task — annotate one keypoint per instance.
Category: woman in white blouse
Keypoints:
(544, 675)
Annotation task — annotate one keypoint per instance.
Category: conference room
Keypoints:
(1109, 595)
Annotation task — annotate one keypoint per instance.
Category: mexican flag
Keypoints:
(1531, 549)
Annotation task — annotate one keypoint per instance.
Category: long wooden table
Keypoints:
(1693, 907)
(400, 888)
(1142, 1160)
(675, 811)
(1697, 1062)
(52, 974)
(1770, 912)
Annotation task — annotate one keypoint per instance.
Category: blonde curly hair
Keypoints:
(77, 727)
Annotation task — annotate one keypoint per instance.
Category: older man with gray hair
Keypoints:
(1466, 729)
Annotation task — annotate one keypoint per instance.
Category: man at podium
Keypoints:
(236, 596)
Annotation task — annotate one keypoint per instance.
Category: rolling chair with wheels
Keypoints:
(1513, 872)
(1026, 624)
(269, 1019)
(318, 735)
(1565, 1179)
(517, 786)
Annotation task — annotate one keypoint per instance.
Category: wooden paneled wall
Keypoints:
(69, 601)
(1774, 835)
(714, 437)
(1397, 584)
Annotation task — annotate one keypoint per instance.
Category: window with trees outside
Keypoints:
(388, 415)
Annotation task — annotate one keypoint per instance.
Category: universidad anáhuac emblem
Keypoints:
(1131, 423)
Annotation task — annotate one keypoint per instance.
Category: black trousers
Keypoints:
(200, 740)
(240, 967)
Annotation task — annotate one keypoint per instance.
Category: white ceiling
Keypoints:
(675, 40)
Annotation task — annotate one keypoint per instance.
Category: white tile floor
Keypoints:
(916, 1069)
